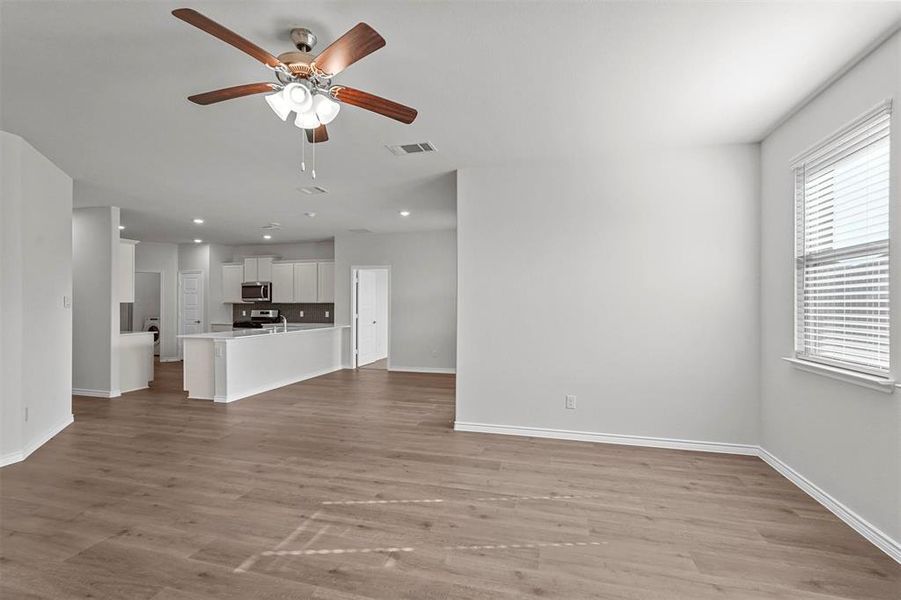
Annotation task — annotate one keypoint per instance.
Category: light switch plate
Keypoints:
(570, 402)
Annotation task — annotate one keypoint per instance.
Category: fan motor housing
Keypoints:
(297, 62)
(303, 39)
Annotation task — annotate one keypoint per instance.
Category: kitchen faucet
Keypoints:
(285, 320)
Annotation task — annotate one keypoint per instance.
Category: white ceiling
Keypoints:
(100, 87)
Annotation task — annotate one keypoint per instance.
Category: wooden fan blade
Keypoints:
(320, 134)
(228, 36)
(231, 92)
(390, 109)
(360, 41)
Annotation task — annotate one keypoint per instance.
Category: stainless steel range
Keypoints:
(259, 318)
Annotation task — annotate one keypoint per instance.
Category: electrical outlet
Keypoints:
(326, 314)
(243, 313)
(570, 402)
(301, 314)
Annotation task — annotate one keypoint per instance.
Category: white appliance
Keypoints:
(153, 324)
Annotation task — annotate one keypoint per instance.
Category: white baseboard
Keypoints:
(876, 536)
(143, 387)
(14, 457)
(169, 359)
(608, 438)
(422, 369)
(96, 393)
(873, 534)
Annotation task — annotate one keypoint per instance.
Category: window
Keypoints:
(842, 247)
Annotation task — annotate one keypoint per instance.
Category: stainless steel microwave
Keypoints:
(256, 291)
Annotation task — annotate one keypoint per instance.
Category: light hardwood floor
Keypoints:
(353, 485)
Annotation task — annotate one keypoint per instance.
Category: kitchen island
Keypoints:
(226, 366)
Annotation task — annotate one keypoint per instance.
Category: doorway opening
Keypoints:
(370, 306)
(147, 306)
(190, 304)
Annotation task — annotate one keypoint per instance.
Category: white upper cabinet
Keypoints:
(126, 290)
(306, 282)
(283, 282)
(292, 282)
(250, 269)
(326, 292)
(232, 277)
(258, 269)
(264, 269)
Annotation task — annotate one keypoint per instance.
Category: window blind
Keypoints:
(842, 247)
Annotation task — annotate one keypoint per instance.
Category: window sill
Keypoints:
(886, 386)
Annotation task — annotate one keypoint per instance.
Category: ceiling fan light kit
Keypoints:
(304, 81)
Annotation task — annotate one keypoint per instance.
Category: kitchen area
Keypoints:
(282, 329)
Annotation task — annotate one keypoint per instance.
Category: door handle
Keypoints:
(197, 322)
(373, 322)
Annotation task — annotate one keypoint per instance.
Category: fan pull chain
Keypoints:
(313, 155)
(303, 149)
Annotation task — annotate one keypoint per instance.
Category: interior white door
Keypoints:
(367, 317)
(190, 303)
(381, 307)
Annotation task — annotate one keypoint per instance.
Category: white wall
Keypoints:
(35, 277)
(630, 282)
(95, 302)
(845, 439)
(296, 251)
(423, 293)
(219, 312)
(163, 259)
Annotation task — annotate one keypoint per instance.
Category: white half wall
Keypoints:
(95, 302)
(163, 259)
(35, 284)
(843, 438)
(629, 282)
(423, 293)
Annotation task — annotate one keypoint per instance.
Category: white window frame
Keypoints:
(826, 147)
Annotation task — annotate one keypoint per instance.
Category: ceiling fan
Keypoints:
(304, 82)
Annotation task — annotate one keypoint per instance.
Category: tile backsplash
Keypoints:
(312, 313)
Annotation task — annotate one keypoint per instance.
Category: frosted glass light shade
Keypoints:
(298, 97)
(278, 105)
(326, 109)
(307, 120)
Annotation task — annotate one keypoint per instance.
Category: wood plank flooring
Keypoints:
(353, 485)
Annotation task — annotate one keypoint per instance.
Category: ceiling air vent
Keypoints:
(314, 189)
(360, 230)
(404, 149)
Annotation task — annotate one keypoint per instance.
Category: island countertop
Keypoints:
(254, 333)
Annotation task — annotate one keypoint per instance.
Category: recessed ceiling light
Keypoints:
(198, 221)
(197, 241)
(267, 237)
(310, 214)
(121, 227)
(405, 213)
